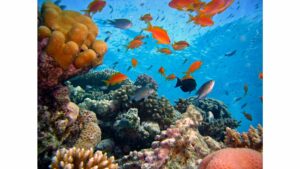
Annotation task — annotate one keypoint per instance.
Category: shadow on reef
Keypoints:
(126, 124)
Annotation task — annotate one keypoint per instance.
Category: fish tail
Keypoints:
(190, 18)
(178, 82)
(106, 82)
(149, 26)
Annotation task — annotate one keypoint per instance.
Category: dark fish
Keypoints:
(163, 18)
(231, 53)
(57, 2)
(244, 105)
(108, 32)
(120, 23)
(205, 89)
(227, 93)
(238, 99)
(157, 18)
(185, 60)
(142, 4)
(106, 39)
(118, 50)
(115, 63)
(142, 93)
(186, 85)
(247, 116)
(245, 89)
(111, 9)
(63, 7)
(149, 67)
(129, 68)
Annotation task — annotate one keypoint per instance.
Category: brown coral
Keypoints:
(89, 137)
(71, 31)
(253, 139)
(76, 158)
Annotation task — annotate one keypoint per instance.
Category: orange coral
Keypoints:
(71, 31)
(233, 158)
(253, 139)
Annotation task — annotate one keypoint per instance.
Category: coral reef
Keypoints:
(253, 139)
(233, 158)
(145, 80)
(215, 114)
(66, 48)
(74, 158)
(67, 45)
(180, 146)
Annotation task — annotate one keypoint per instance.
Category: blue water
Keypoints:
(237, 28)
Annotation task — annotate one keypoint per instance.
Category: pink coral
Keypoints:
(233, 158)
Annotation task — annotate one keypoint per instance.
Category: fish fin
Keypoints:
(178, 83)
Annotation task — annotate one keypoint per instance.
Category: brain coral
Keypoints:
(233, 158)
(71, 37)
(76, 158)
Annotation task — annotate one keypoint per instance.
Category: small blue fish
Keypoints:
(231, 53)
(120, 23)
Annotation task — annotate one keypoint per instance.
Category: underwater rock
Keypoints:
(252, 139)
(233, 158)
(180, 146)
(78, 157)
(106, 145)
(145, 80)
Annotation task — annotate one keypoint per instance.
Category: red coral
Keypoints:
(233, 158)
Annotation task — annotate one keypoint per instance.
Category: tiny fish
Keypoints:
(261, 75)
(231, 53)
(134, 62)
(142, 94)
(106, 39)
(161, 70)
(149, 67)
(238, 99)
(111, 9)
(185, 60)
(147, 18)
(205, 89)
(201, 19)
(129, 67)
(244, 105)
(165, 51)
(134, 44)
(261, 98)
(245, 89)
(120, 23)
(226, 92)
(180, 45)
(142, 4)
(94, 6)
(171, 77)
(194, 66)
(248, 116)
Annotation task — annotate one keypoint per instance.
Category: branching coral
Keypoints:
(180, 146)
(253, 139)
(79, 158)
(233, 158)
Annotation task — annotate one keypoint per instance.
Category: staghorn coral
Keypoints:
(180, 146)
(233, 158)
(143, 80)
(75, 158)
(67, 45)
(253, 139)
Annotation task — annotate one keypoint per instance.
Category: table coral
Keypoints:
(75, 158)
(233, 158)
(252, 139)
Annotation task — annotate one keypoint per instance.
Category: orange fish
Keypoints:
(114, 79)
(171, 77)
(161, 70)
(159, 34)
(134, 62)
(261, 75)
(95, 6)
(165, 51)
(146, 18)
(201, 19)
(134, 44)
(187, 76)
(194, 66)
(188, 5)
(139, 37)
(180, 45)
(216, 6)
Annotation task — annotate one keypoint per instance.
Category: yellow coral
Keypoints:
(71, 31)
(82, 159)
(89, 137)
(85, 58)
(43, 32)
